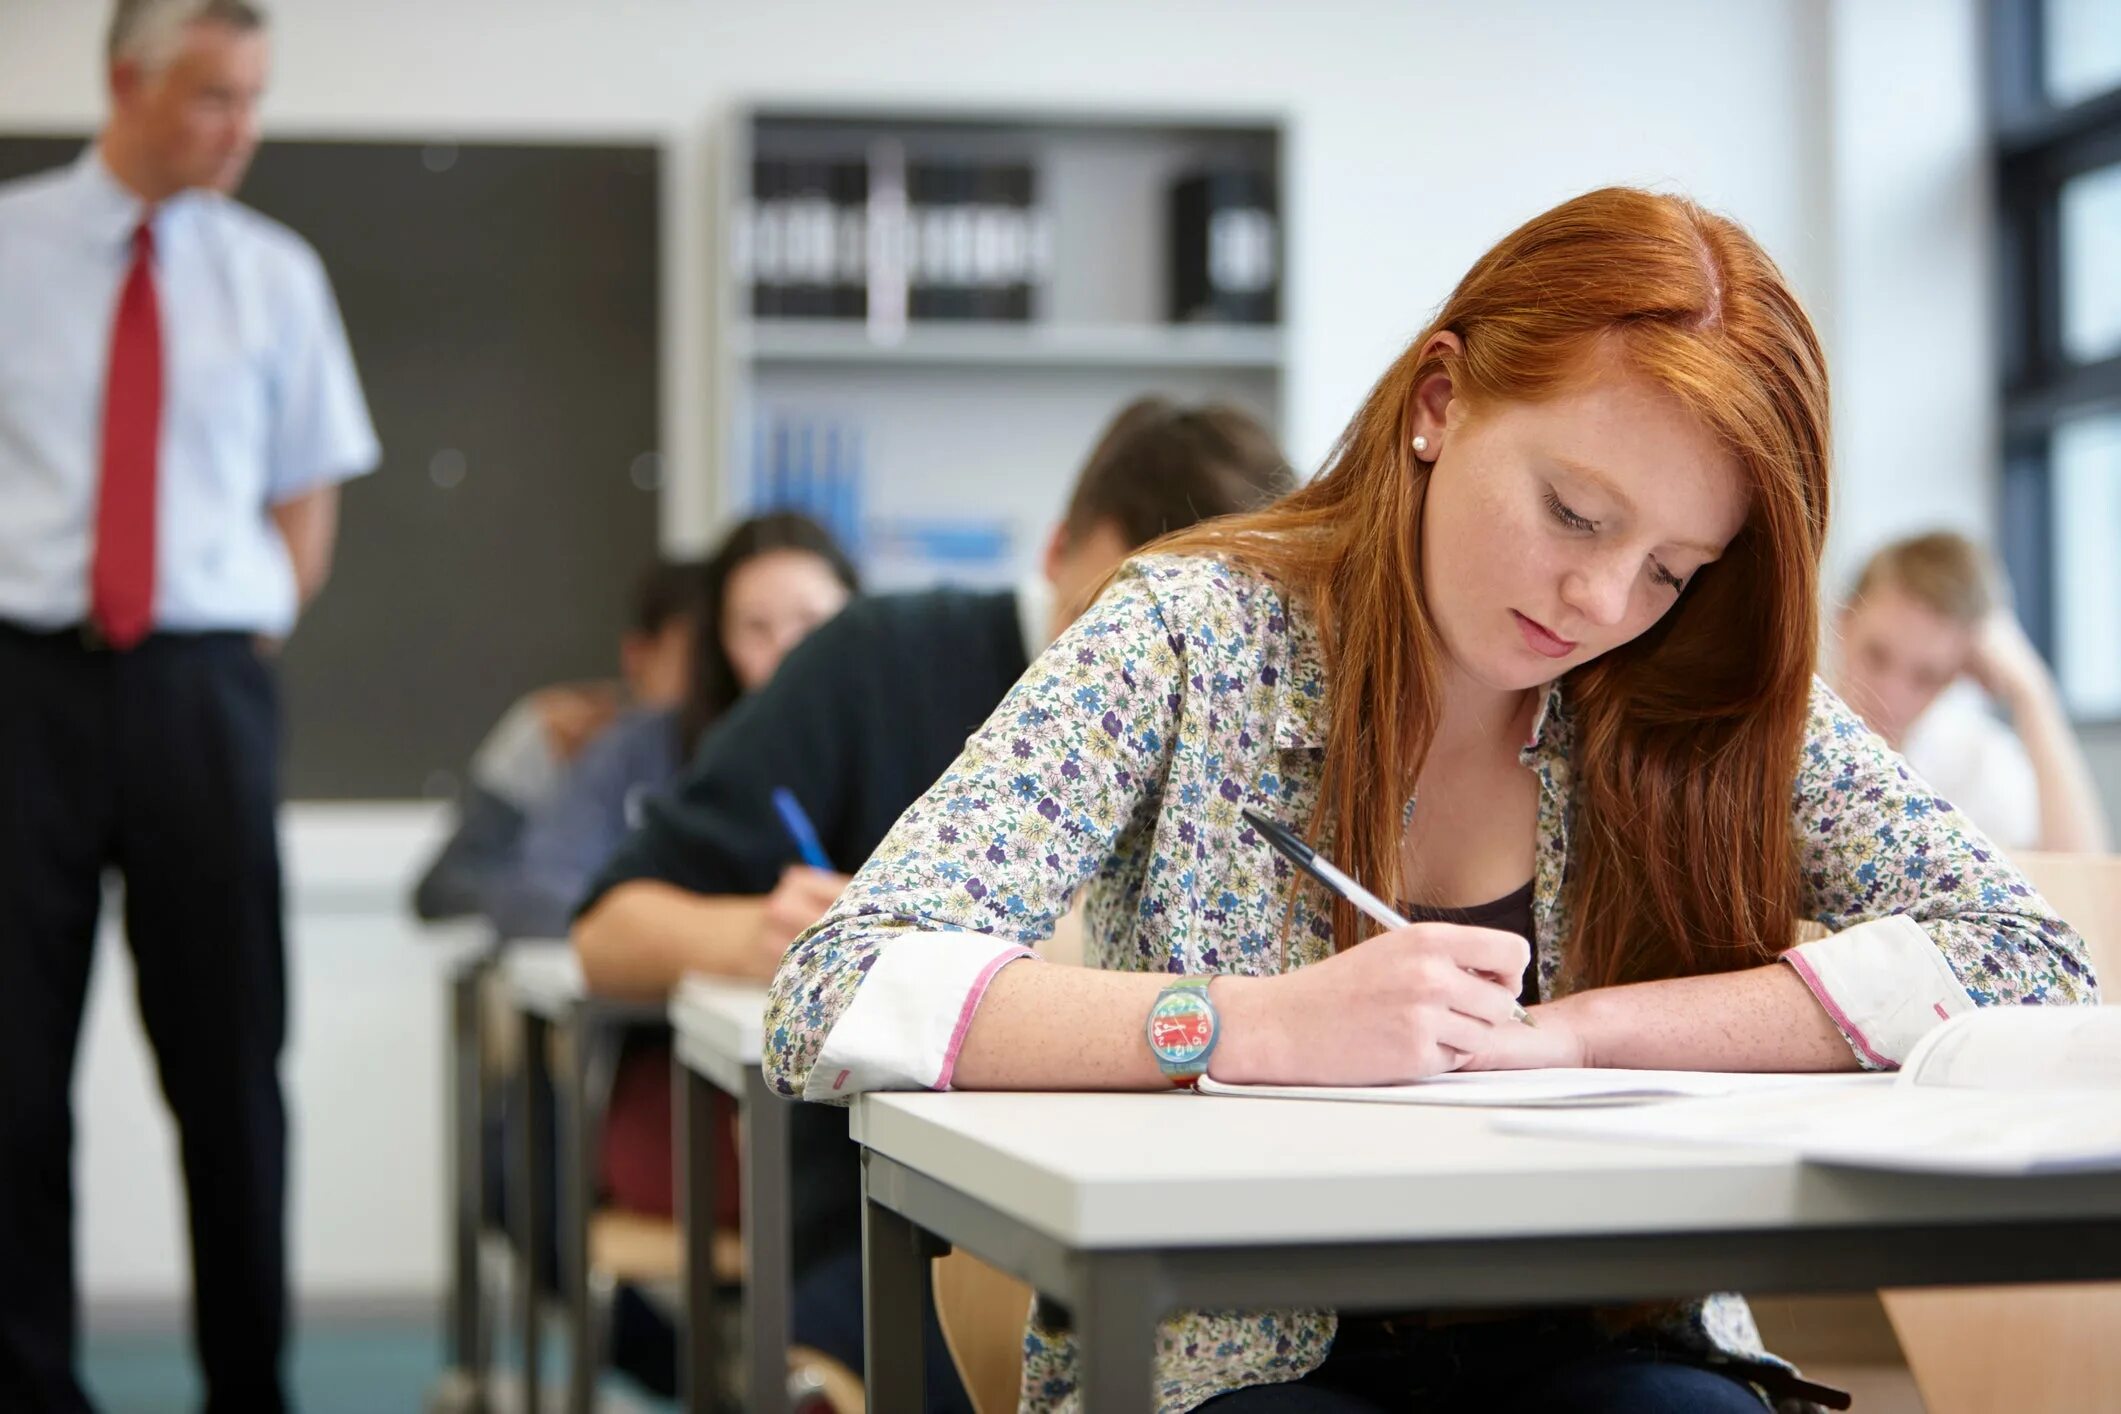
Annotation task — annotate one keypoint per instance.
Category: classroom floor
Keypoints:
(365, 1367)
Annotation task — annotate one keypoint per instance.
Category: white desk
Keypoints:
(718, 1029)
(544, 978)
(1122, 1208)
(546, 988)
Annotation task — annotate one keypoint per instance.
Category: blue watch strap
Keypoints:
(1182, 1030)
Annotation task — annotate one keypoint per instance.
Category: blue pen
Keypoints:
(800, 829)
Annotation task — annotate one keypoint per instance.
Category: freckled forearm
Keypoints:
(1047, 1027)
(1764, 1018)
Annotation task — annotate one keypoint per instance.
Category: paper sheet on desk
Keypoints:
(1548, 1089)
(1910, 1128)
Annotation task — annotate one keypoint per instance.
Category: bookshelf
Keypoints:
(1141, 346)
(954, 303)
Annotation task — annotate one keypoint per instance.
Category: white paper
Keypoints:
(2025, 1047)
(1912, 1128)
(1542, 1088)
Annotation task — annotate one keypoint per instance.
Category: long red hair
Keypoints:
(1683, 859)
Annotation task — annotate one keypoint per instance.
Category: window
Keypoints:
(2091, 264)
(2081, 49)
(2087, 568)
(2055, 91)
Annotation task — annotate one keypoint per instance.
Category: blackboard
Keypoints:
(503, 304)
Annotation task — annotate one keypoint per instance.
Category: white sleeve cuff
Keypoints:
(908, 1018)
(1884, 983)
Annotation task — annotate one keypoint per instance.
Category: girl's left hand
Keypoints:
(1554, 1039)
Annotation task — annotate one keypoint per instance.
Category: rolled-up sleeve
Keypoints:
(880, 994)
(904, 1024)
(1926, 917)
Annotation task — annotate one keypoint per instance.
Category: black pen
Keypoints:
(1307, 859)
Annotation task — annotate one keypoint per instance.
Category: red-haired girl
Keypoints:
(1534, 653)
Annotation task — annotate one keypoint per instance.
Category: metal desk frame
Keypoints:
(1116, 1297)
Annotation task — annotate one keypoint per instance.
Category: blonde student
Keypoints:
(1537, 642)
(1924, 638)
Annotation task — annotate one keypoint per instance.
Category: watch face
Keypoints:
(1181, 1027)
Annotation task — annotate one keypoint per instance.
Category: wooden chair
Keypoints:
(982, 1312)
(1978, 1350)
(648, 1251)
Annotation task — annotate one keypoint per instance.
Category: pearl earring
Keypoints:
(1421, 444)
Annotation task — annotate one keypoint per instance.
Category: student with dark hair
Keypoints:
(519, 766)
(861, 720)
(773, 579)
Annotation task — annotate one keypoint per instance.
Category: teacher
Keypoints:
(177, 407)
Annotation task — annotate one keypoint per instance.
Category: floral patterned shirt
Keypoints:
(1120, 762)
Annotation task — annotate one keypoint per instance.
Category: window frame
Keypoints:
(2036, 148)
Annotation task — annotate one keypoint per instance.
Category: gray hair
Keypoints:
(148, 32)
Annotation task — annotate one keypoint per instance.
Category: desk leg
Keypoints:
(699, 1366)
(1115, 1332)
(895, 1256)
(578, 1170)
(464, 1176)
(532, 1200)
(769, 1262)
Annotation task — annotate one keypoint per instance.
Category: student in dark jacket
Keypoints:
(860, 720)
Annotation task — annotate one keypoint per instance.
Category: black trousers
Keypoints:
(161, 764)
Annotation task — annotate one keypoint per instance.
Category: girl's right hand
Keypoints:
(1399, 1007)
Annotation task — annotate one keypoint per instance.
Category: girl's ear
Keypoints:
(1432, 397)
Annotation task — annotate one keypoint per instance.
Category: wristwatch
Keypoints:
(1182, 1030)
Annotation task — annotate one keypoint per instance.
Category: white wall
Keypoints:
(1420, 131)
(1912, 345)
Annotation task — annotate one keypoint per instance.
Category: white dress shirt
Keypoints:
(260, 402)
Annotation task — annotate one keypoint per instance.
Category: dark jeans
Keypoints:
(1550, 1363)
(160, 763)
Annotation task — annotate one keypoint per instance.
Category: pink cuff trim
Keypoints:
(1833, 1009)
(964, 1017)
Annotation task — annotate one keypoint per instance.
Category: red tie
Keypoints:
(122, 580)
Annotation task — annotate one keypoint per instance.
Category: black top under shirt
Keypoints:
(1510, 914)
(858, 722)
